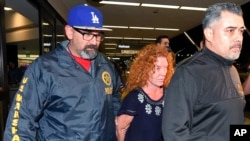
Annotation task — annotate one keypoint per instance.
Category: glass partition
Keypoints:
(47, 35)
(22, 32)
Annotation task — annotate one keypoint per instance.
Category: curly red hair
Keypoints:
(145, 63)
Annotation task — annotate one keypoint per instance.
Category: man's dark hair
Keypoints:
(158, 39)
(213, 12)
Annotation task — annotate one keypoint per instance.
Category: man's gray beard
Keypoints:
(86, 54)
(233, 56)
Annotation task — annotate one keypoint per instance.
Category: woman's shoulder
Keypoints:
(132, 94)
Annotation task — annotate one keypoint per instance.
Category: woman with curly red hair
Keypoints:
(139, 118)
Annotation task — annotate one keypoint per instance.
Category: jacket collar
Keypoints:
(217, 57)
(65, 60)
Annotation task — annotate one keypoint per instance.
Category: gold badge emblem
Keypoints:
(106, 78)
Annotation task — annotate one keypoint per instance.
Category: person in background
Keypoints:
(139, 118)
(246, 85)
(14, 73)
(163, 41)
(205, 95)
(70, 93)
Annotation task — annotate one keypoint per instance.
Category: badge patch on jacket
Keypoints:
(106, 78)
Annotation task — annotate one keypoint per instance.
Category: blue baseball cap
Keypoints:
(86, 17)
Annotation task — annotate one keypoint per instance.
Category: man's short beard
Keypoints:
(89, 54)
(233, 56)
(236, 54)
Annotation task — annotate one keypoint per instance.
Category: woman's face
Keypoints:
(157, 76)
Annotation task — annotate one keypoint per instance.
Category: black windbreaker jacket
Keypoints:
(59, 101)
(203, 99)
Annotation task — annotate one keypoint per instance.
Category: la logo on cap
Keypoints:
(86, 17)
(95, 19)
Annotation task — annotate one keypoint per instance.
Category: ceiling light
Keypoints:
(59, 35)
(114, 26)
(131, 38)
(110, 44)
(134, 27)
(7, 8)
(170, 29)
(47, 35)
(117, 54)
(45, 23)
(108, 48)
(150, 39)
(113, 37)
(160, 6)
(120, 3)
(116, 58)
(25, 56)
(193, 8)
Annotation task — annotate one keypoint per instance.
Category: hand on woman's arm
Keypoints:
(122, 124)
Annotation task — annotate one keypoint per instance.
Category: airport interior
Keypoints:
(31, 28)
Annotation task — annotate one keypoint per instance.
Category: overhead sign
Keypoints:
(129, 51)
(123, 46)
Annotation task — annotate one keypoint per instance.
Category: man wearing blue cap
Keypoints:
(70, 93)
